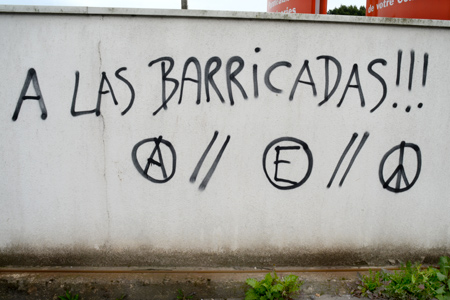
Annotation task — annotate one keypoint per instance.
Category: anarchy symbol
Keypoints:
(152, 161)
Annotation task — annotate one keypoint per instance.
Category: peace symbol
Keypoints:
(399, 173)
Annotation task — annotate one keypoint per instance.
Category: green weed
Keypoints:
(412, 282)
(272, 287)
(372, 285)
(68, 296)
(443, 275)
(182, 296)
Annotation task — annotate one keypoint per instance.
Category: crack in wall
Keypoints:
(105, 180)
(108, 238)
(99, 57)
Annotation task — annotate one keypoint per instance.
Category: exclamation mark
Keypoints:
(425, 69)
(399, 66)
(411, 74)
(411, 70)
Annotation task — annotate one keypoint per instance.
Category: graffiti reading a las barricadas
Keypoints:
(287, 161)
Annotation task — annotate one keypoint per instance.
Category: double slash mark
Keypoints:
(352, 140)
(213, 167)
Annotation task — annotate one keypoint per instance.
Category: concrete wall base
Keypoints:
(159, 284)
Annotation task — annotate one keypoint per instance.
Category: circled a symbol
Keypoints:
(151, 161)
(398, 181)
(287, 174)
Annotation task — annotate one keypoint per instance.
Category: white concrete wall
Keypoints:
(70, 180)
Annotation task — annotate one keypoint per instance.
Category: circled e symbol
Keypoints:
(287, 163)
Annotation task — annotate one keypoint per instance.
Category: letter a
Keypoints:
(31, 76)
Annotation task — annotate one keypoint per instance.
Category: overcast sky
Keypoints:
(239, 5)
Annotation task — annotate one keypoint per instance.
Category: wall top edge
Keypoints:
(177, 13)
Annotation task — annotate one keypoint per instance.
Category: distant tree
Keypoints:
(350, 10)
